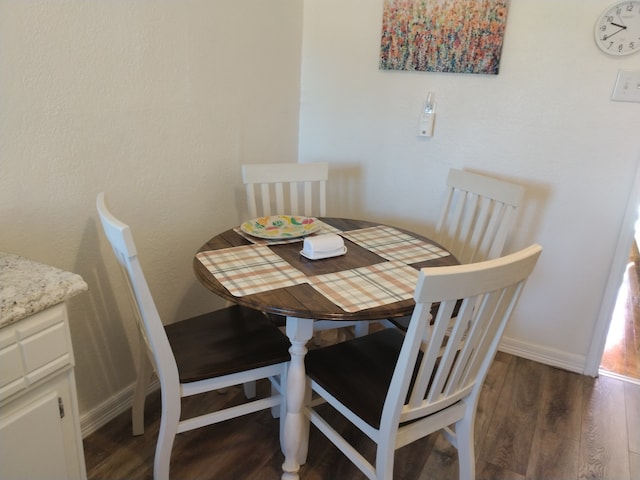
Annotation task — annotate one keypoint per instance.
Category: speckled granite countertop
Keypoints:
(27, 287)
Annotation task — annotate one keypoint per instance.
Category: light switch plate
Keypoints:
(627, 87)
(425, 129)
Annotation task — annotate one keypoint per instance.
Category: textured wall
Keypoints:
(546, 121)
(157, 104)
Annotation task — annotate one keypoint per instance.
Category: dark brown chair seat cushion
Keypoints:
(358, 371)
(226, 341)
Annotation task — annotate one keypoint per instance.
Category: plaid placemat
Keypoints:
(250, 269)
(324, 228)
(368, 287)
(393, 244)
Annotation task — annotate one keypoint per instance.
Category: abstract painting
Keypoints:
(457, 36)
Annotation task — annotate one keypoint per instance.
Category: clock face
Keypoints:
(618, 29)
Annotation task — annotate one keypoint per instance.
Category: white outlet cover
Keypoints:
(627, 87)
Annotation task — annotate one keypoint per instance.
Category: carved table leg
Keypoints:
(296, 425)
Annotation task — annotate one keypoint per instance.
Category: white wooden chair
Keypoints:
(476, 219)
(294, 189)
(286, 188)
(477, 216)
(209, 352)
(405, 392)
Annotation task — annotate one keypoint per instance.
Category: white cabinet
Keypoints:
(39, 420)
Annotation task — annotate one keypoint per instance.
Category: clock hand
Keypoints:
(621, 26)
(607, 37)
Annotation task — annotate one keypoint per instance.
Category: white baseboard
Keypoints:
(548, 356)
(110, 409)
(617, 376)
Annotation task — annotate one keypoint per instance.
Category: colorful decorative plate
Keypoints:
(279, 227)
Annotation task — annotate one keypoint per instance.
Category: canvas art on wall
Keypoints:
(458, 36)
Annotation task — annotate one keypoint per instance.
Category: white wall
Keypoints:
(157, 104)
(545, 121)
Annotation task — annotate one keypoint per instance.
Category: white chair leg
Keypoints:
(166, 436)
(282, 412)
(384, 459)
(276, 410)
(140, 391)
(249, 389)
(361, 329)
(466, 455)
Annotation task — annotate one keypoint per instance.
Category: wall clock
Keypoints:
(618, 28)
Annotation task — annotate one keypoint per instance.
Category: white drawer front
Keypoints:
(40, 321)
(11, 371)
(33, 348)
(44, 347)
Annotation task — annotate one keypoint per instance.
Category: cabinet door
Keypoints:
(32, 441)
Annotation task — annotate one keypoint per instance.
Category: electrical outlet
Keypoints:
(627, 87)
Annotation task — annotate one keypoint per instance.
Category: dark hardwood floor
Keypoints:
(622, 350)
(533, 422)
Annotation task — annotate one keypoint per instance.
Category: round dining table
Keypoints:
(302, 305)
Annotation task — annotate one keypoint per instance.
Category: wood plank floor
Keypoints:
(533, 422)
(622, 350)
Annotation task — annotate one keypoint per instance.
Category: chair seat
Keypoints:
(230, 340)
(364, 364)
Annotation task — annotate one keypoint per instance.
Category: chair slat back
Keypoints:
(286, 188)
(477, 216)
(149, 321)
(446, 360)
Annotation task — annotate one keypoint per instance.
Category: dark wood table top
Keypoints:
(303, 300)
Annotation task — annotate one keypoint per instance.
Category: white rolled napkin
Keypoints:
(323, 246)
